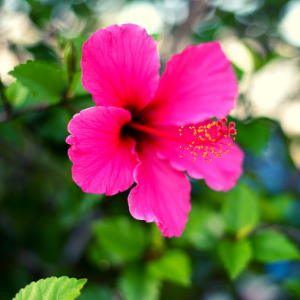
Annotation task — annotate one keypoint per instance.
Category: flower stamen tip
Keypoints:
(204, 139)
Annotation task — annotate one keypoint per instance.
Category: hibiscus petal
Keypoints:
(220, 174)
(162, 194)
(104, 160)
(120, 67)
(198, 84)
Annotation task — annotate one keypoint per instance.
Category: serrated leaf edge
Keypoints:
(80, 281)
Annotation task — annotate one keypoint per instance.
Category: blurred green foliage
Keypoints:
(49, 227)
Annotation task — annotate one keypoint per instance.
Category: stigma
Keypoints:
(209, 141)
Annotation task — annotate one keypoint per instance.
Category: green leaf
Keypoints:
(19, 96)
(122, 236)
(138, 284)
(269, 245)
(235, 256)
(16, 94)
(293, 285)
(240, 210)
(174, 265)
(203, 229)
(45, 81)
(62, 288)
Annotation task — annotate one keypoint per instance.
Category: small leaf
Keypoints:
(138, 284)
(62, 288)
(45, 81)
(240, 210)
(174, 265)
(123, 236)
(270, 245)
(235, 256)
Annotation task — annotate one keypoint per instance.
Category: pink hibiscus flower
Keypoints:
(131, 135)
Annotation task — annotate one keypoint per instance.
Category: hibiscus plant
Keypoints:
(137, 161)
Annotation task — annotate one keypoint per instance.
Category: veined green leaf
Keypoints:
(235, 256)
(45, 81)
(62, 288)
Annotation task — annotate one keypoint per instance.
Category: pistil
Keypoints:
(208, 140)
